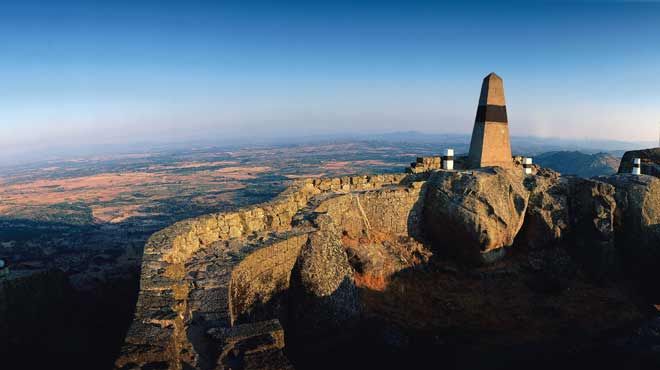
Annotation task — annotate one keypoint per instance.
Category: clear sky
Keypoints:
(124, 71)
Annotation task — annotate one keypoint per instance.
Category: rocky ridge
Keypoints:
(199, 274)
(260, 287)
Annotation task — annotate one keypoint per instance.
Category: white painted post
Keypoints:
(527, 165)
(637, 166)
(448, 159)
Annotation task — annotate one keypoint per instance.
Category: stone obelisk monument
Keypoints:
(490, 144)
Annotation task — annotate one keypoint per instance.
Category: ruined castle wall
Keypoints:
(158, 329)
(261, 278)
(392, 210)
(263, 275)
(177, 243)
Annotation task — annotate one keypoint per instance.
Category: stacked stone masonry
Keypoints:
(424, 164)
(218, 270)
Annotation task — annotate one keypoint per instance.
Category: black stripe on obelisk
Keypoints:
(491, 113)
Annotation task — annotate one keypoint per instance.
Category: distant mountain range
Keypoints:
(578, 163)
(521, 145)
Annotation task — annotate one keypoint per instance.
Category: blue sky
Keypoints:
(78, 72)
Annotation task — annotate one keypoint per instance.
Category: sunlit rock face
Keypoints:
(475, 214)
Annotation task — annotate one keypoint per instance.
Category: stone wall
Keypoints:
(393, 210)
(216, 290)
(169, 298)
(261, 277)
(425, 164)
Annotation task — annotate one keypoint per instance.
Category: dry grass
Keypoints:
(187, 165)
(116, 214)
(337, 165)
(241, 173)
(113, 196)
(106, 187)
(343, 165)
(304, 176)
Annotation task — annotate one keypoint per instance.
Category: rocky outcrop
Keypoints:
(475, 214)
(330, 262)
(575, 213)
(252, 346)
(650, 161)
(547, 218)
(592, 208)
(323, 297)
(638, 225)
(223, 270)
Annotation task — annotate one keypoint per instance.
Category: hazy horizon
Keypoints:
(29, 155)
(76, 74)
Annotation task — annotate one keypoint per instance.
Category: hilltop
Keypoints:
(578, 163)
(473, 263)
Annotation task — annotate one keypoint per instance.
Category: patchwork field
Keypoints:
(89, 205)
(64, 213)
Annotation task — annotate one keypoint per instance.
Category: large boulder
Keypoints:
(638, 224)
(324, 302)
(592, 240)
(572, 213)
(650, 161)
(473, 215)
(547, 218)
